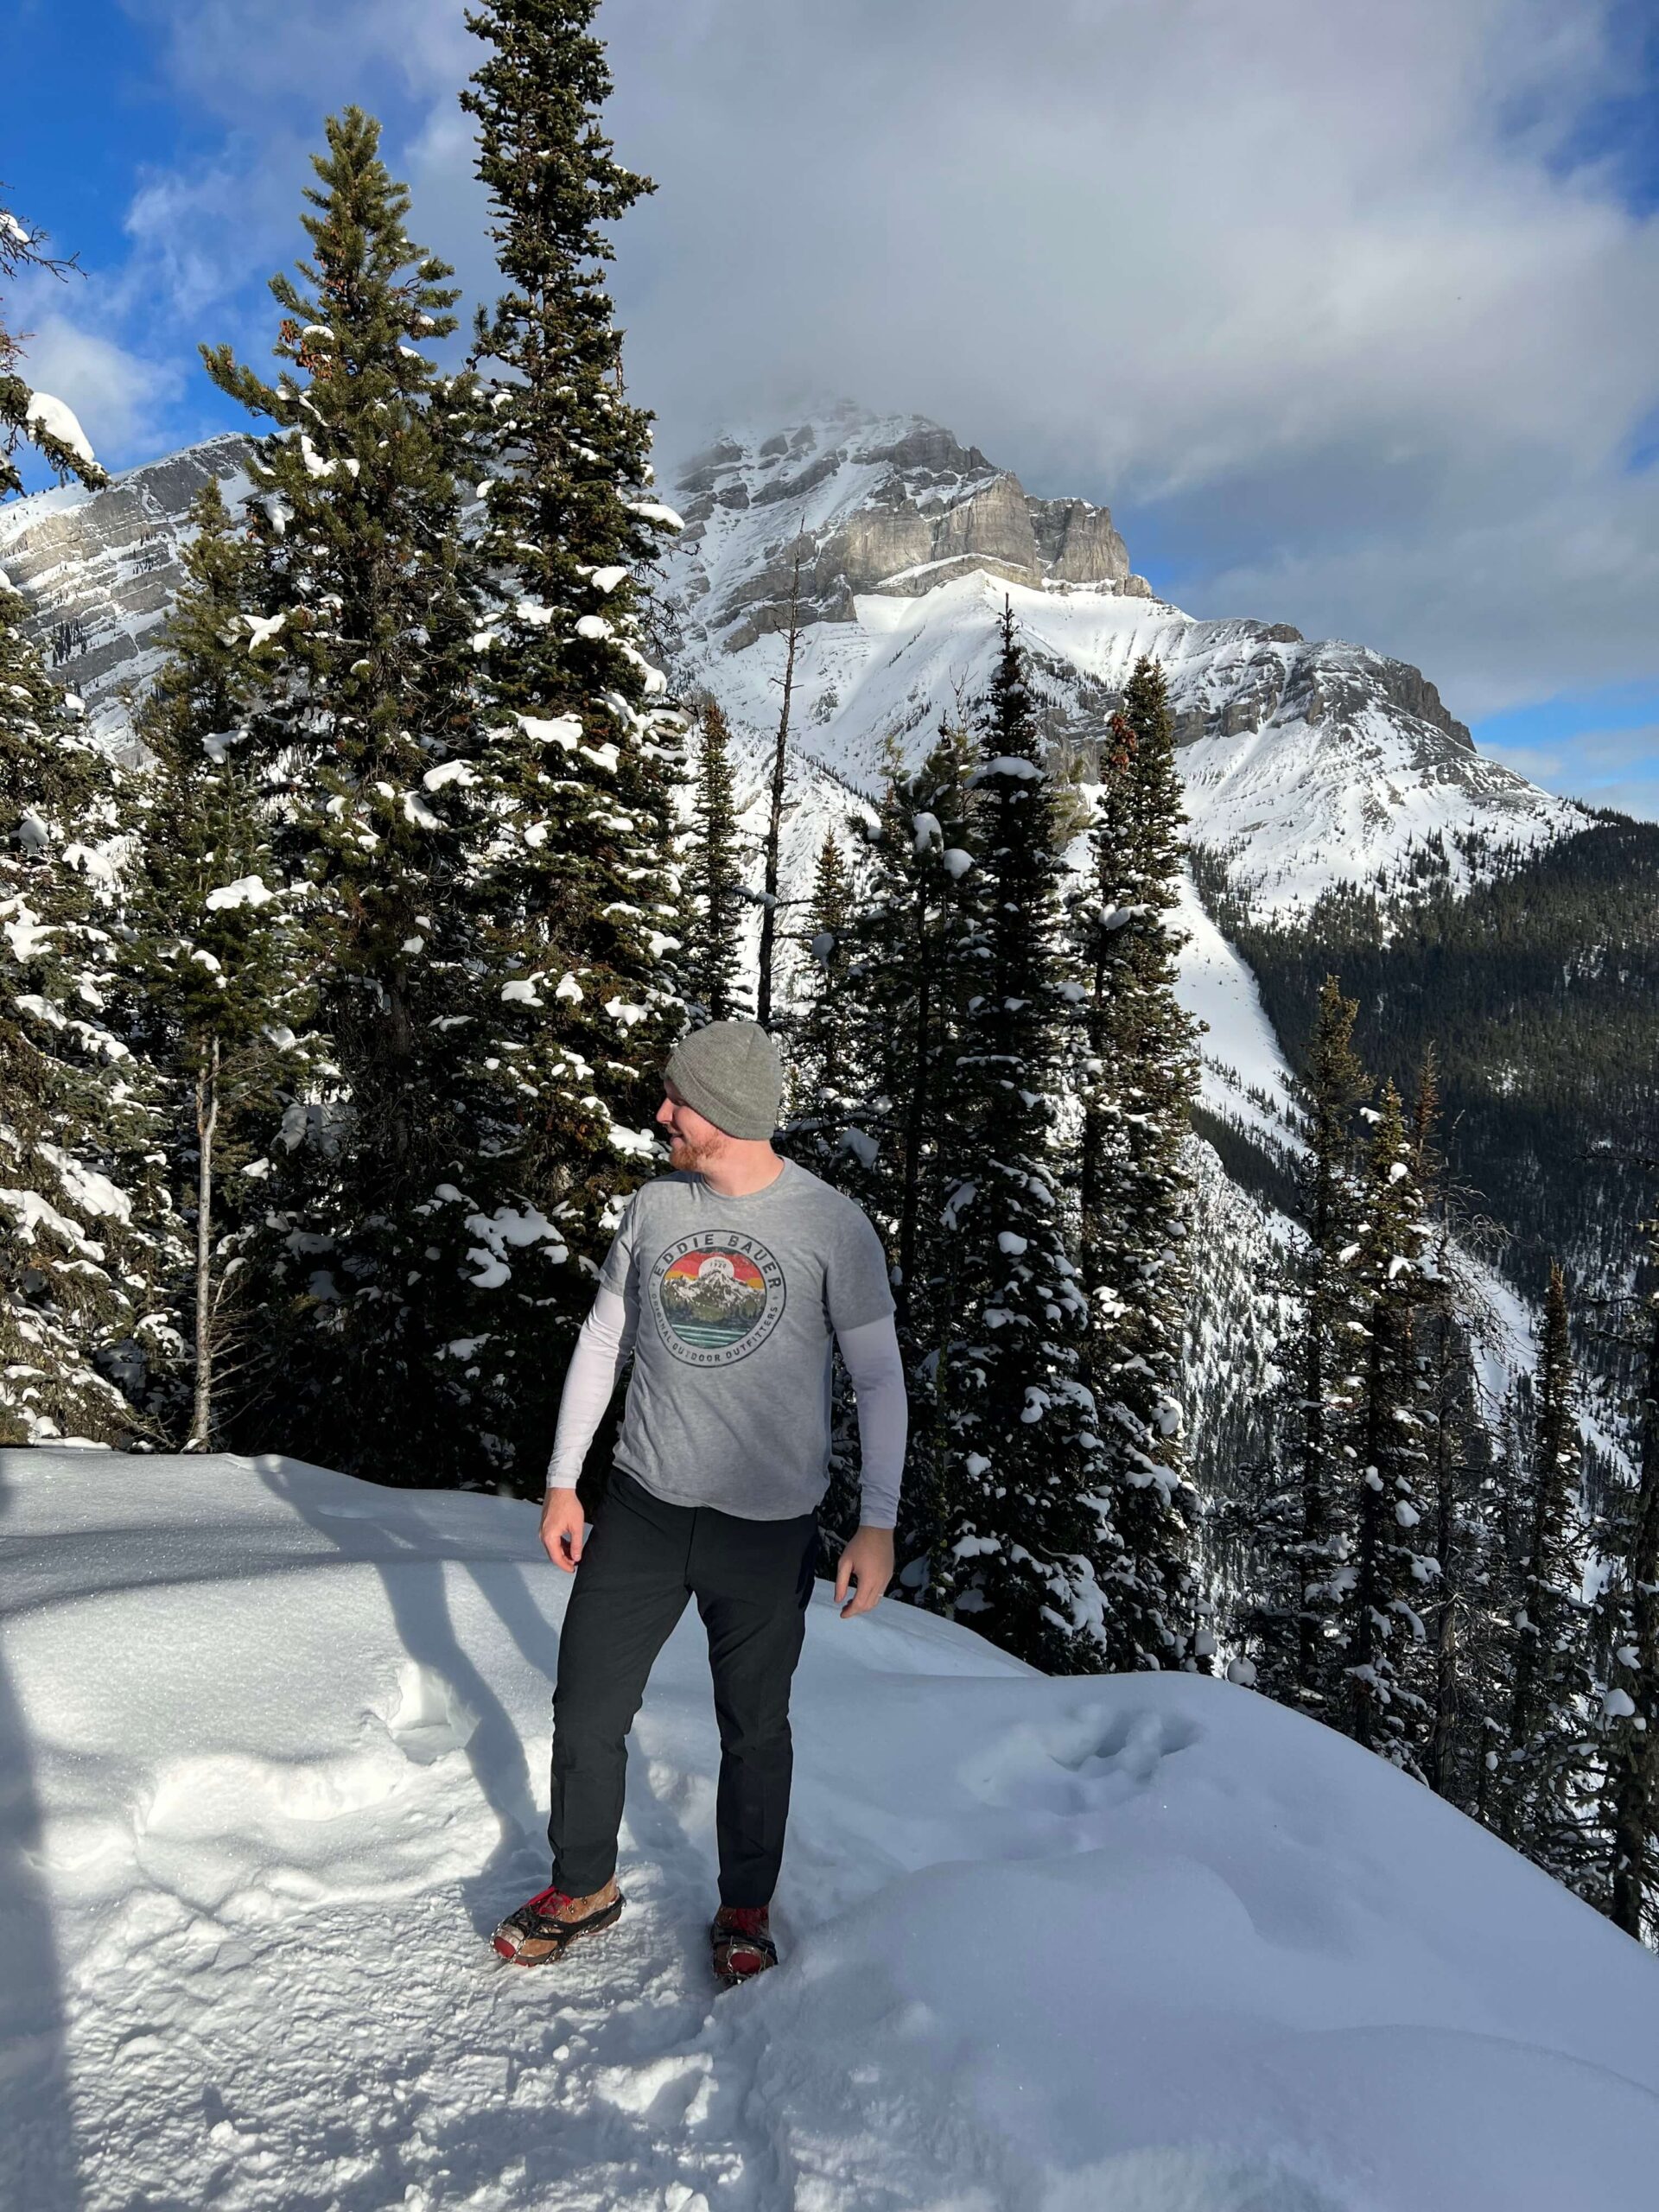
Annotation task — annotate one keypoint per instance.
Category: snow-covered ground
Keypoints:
(274, 1745)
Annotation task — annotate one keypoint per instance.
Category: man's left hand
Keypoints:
(866, 1562)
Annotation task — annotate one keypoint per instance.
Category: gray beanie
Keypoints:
(730, 1073)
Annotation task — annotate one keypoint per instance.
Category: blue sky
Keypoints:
(1351, 314)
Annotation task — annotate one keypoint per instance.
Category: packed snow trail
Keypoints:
(275, 1756)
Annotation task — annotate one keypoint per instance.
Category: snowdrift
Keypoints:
(274, 1749)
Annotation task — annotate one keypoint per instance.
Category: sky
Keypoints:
(1350, 314)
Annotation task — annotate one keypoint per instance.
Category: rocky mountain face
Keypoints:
(862, 502)
(1307, 764)
(100, 570)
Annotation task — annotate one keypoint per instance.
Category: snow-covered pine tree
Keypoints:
(1541, 1792)
(1331, 1090)
(1136, 1082)
(914, 961)
(711, 958)
(1384, 1589)
(216, 953)
(1026, 1550)
(819, 1067)
(1457, 1463)
(586, 755)
(28, 416)
(1628, 1633)
(90, 1254)
(364, 726)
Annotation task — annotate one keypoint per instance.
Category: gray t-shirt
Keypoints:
(734, 1301)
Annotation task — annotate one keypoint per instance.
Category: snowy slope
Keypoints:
(1306, 763)
(274, 1746)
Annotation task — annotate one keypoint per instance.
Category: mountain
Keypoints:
(1306, 764)
(99, 569)
(1148, 1942)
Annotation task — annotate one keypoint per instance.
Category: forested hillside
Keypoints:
(1537, 988)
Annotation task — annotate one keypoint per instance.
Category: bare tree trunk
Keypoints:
(206, 1118)
(775, 821)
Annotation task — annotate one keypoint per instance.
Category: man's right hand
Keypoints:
(563, 1521)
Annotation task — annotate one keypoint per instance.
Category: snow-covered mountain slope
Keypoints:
(99, 569)
(274, 1746)
(1306, 763)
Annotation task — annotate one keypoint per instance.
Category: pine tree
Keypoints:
(1332, 1088)
(1541, 1785)
(1027, 1524)
(89, 1250)
(1138, 1079)
(586, 753)
(1384, 1590)
(214, 925)
(713, 880)
(1628, 1633)
(820, 1068)
(1456, 1477)
(365, 727)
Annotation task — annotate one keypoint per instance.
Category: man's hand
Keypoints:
(866, 1561)
(563, 1521)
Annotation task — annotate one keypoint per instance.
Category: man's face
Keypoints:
(692, 1139)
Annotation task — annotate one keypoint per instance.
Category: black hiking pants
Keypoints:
(752, 1580)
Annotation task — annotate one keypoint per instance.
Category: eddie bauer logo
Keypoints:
(716, 1297)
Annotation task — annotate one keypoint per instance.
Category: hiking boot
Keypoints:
(742, 1943)
(553, 1920)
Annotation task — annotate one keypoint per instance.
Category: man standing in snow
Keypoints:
(746, 1267)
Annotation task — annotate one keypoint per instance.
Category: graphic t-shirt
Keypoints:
(735, 1302)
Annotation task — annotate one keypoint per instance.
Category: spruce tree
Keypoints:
(1028, 1524)
(1540, 1793)
(1384, 1590)
(1138, 1078)
(585, 760)
(1629, 1635)
(1331, 1090)
(90, 1249)
(820, 1069)
(214, 949)
(712, 956)
(365, 727)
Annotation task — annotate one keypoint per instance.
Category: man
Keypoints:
(727, 1280)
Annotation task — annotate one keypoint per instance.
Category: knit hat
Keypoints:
(730, 1073)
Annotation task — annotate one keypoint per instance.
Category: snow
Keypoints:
(276, 1746)
(1241, 1063)
(59, 422)
(246, 891)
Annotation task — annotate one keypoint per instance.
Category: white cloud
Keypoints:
(120, 397)
(1321, 295)
(1608, 768)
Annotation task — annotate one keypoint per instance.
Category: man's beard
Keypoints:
(684, 1153)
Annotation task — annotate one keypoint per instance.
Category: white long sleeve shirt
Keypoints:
(870, 1351)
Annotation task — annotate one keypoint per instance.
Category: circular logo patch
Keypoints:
(716, 1297)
